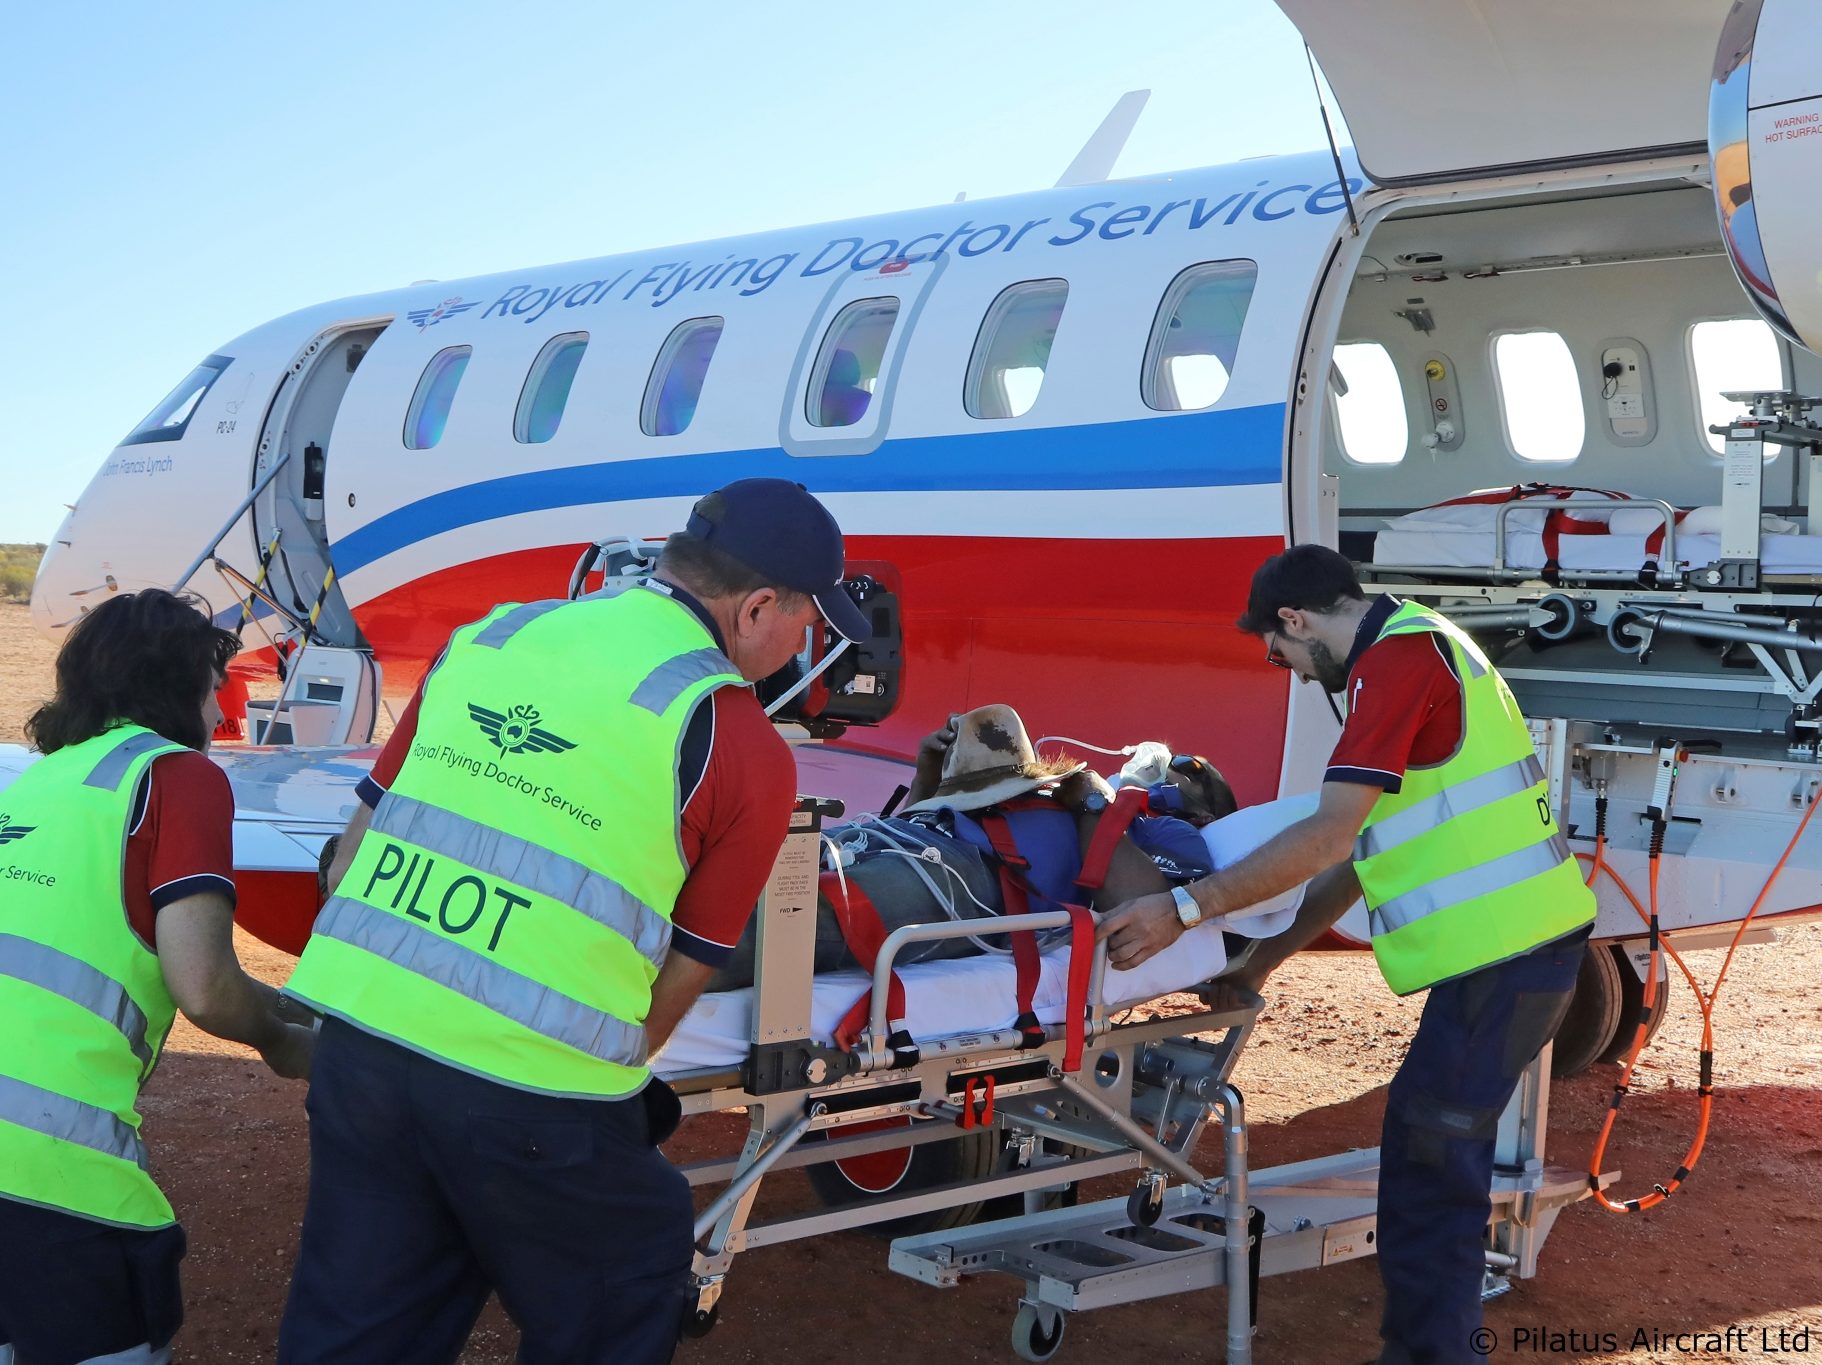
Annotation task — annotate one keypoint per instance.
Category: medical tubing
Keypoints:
(895, 842)
(1127, 752)
(1657, 943)
(809, 677)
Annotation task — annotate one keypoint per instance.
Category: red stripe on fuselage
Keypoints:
(1106, 642)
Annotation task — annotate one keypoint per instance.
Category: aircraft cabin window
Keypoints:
(1540, 397)
(1371, 414)
(674, 389)
(1731, 355)
(1196, 336)
(847, 366)
(546, 391)
(1013, 349)
(429, 410)
(167, 421)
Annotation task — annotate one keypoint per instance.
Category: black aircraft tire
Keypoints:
(967, 1156)
(1594, 1013)
(1632, 995)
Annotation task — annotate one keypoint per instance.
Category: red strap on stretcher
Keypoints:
(1014, 895)
(1128, 804)
(865, 933)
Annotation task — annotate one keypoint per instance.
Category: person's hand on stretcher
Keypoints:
(1317, 850)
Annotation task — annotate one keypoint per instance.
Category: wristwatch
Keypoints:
(1187, 910)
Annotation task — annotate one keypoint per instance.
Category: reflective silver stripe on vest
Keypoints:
(1456, 799)
(672, 678)
(499, 632)
(76, 981)
(113, 765)
(524, 863)
(59, 1116)
(545, 1011)
(1508, 870)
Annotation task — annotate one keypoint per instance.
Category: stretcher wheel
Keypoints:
(1145, 1202)
(1589, 1028)
(699, 1322)
(1632, 995)
(1037, 1331)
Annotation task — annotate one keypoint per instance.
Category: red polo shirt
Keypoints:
(1403, 704)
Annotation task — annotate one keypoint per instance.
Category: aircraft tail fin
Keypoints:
(1094, 163)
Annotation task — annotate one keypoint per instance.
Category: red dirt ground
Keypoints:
(1737, 1247)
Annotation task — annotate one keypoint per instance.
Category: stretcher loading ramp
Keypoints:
(1296, 1217)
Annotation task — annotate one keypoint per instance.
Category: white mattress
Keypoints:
(959, 995)
(975, 994)
(1471, 548)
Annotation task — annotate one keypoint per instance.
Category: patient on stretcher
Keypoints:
(981, 791)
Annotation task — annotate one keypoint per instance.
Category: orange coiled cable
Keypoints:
(1657, 941)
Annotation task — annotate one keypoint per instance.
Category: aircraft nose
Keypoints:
(58, 598)
(51, 569)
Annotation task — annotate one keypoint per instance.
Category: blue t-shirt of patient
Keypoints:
(1175, 845)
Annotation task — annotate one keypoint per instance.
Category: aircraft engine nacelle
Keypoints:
(1765, 138)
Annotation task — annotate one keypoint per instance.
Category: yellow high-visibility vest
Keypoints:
(1464, 866)
(83, 1003)
(510, 903)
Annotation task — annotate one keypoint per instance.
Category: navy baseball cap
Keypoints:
(780, 532)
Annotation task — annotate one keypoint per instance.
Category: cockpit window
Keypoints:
(167, 421)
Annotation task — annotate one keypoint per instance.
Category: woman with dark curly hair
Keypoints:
(116, 911)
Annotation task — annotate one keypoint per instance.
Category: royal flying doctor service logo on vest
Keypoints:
(517, 731)
(10, 832)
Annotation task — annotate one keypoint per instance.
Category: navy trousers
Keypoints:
(429, 1187)
(72, 1289)
(1477, 1035)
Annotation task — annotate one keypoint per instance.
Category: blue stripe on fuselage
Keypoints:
(1199, 449)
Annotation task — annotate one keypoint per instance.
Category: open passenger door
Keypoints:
(1459, 89)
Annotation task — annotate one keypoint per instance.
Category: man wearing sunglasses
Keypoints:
(1434, 808)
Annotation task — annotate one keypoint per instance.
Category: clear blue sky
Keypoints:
(174, 175)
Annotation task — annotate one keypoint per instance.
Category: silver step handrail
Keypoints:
(228, 525)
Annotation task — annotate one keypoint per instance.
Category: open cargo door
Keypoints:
(1456, 89)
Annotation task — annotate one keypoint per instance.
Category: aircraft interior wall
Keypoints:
(1640, 269)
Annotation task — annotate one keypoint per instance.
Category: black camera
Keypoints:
(861, 685)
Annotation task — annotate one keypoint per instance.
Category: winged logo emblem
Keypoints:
(430, 317)
(10, 832)
(517, 731)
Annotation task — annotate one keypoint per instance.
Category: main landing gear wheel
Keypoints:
(968, 1156)
(1037, 1330)
(1632, 995)
(1593, 1021)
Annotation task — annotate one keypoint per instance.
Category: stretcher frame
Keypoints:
(793, 1088)
(1140, 1102)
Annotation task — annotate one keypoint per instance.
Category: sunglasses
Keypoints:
(1272, 656)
